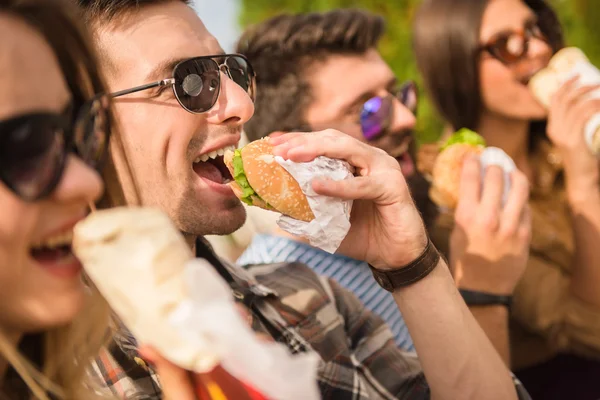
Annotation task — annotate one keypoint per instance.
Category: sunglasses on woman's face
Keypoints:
(378, 112)
(512, 47)
(34, 147)
(196, 82)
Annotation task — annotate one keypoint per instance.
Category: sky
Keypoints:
(221, 19)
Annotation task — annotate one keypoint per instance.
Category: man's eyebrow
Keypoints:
(392, 84)
(163, 70)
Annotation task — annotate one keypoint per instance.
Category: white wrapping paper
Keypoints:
(180, 305)
(209, 316)
(566, 64)
(332, 216)
(496, 156)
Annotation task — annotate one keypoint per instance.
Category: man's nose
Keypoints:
(234, 107)
(403, 119)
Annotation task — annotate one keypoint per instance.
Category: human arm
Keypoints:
(570, 109)
(387, 231)
(489, 245)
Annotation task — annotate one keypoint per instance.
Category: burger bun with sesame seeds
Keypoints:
(261, 181)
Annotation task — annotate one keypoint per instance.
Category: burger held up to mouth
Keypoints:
(568, 63)
(267, 181)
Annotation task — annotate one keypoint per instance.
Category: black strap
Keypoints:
(204, 251)
(475, 298)
(266, 313)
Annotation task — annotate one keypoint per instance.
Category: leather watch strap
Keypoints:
(415, 271)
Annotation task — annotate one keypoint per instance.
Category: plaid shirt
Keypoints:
(359, 359)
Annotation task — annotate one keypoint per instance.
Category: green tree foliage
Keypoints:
(579, 18)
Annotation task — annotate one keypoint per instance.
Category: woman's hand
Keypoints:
(489, 246)
(178, 384)
(570, 109)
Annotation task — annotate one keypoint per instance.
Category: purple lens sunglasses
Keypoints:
(378, 112)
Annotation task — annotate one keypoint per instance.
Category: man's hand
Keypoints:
(489, 246)
(387, 230)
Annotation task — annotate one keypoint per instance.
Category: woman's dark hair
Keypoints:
(446, 45)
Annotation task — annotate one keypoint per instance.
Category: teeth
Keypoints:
(213, 154)
(62, 239)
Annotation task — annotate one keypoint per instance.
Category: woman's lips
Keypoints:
(59, 261)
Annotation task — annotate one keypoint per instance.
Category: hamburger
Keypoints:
(446, 170)
(259, 180)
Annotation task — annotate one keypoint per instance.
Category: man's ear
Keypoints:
(276, 134)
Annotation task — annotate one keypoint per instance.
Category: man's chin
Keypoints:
(206, 221)
(235, 222)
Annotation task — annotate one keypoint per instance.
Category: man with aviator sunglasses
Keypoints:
(174, 130)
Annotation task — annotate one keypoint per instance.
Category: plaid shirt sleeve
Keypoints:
(120, 371)
(383, 371)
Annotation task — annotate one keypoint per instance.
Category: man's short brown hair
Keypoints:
(282, 50)
(101, 14)
(109, 11)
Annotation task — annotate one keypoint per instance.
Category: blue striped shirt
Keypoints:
(352, 274)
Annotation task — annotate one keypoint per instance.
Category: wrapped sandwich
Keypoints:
(446, 171)
(564, 65)
(180, 305)
(264, 180)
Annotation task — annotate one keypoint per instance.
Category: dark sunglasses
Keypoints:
(34, 147)
(511, 47)
(378, 112)
(196, 82)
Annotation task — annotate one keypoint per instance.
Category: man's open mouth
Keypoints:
(404, 158)
(212, 167)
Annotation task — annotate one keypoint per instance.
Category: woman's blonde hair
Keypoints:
(65, 353)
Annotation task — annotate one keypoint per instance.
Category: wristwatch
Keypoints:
(395, 279)
(475, 298)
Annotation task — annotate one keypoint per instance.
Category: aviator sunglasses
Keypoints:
(512, 47)
(196, 82)
(378, 112)
(34, 147)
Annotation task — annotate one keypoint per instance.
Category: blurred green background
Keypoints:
(580, 19)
